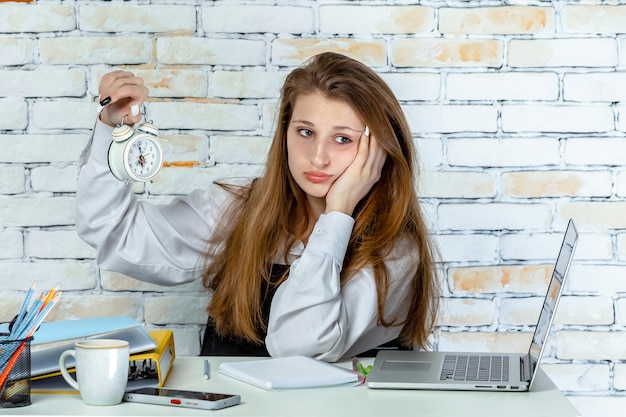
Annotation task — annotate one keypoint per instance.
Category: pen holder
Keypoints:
(14, 372)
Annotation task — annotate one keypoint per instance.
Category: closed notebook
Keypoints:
(289, 373)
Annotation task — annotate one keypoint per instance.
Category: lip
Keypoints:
(317, 177)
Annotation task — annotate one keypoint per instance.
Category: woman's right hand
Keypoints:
(125, 90)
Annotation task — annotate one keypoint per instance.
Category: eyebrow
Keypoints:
(306, 122)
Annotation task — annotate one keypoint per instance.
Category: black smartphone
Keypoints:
(182, 398)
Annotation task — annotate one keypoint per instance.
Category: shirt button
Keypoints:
(319, 230)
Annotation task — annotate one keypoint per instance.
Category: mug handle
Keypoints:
(63, 369)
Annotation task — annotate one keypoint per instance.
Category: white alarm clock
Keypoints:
(135, 155)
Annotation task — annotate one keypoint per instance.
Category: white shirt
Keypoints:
(311, 314)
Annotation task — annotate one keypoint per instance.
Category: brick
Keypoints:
(413, 86)
(247, 84)
(619, 376)
(250, 18)
(430, 152)
(170, 83)
(11, 303)
(363, 19)
(505, 278)
(466, 312)
(620, 251)
(12, 179)
(84, 50)
(64, 114)
(37, 211)
(41, 148)
(176, 309)
(14, 114)
(16, 51)
(294, 52)
(467, 248)
(595, 151)
(73, 276)
(557, 118)
(84, 306)
(484, 341)
(186, 339)
(209, 116)
(154, 18)
(494, 216)
(451, 118)
(204, 51)
(57, 244)
(185, 148)
(497, 20)
(11, 245)
(457, 184)
(502, 86)
(114, 281)
(585, 311)
(608, 87)
(37, 18)
(447, 52)
(240, 149)
(542, 53)
(520, 311)
(596, 279)
(620, 311)
(42, 83)
(539, 184)
(586, 345)
(579, 377)
(544, 246)
(506, 152)
(54, 179)
(594, 214)
(593, 19)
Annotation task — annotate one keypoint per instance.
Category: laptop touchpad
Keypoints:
(412, 366)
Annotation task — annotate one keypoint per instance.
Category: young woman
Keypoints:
(326, 254)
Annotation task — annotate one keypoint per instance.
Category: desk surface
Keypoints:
(544, 401)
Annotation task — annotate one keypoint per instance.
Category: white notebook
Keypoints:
(288, 373)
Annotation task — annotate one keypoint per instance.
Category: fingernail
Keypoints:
(134, 110)
(367, 131)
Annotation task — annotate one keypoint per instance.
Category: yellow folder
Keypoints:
(146, 369)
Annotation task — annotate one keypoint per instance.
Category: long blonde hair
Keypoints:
(272, 211)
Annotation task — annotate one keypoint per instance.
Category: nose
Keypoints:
(319, 153)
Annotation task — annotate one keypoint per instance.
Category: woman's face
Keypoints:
(322, 141)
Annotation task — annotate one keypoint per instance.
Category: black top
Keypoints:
(215, 345)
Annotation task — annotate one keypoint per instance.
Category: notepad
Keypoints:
(289, 373)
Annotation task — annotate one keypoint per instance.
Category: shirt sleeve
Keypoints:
(313, 315)
(161, 244)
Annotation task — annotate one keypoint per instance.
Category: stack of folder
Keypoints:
(152, 353)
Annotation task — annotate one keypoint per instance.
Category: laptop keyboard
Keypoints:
(480, 368)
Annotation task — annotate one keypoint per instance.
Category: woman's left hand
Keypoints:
(359, 178)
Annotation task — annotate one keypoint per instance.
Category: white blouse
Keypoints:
(311, 314)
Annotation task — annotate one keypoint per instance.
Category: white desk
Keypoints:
(544, 401)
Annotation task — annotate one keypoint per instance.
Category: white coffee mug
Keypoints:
(101, 370)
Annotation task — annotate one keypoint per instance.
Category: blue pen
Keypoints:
(206, 374)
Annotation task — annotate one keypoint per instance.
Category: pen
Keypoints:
(206, 374)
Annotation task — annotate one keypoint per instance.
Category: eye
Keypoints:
(343, 140)
(305, 132)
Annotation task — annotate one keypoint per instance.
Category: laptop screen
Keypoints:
(551, 301)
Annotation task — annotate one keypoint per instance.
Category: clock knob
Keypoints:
(122, 133)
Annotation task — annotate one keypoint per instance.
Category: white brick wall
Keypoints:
(518, 110)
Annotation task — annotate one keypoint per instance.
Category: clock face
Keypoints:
(144, 158)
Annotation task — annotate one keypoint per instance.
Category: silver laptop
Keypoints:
(409, 369)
